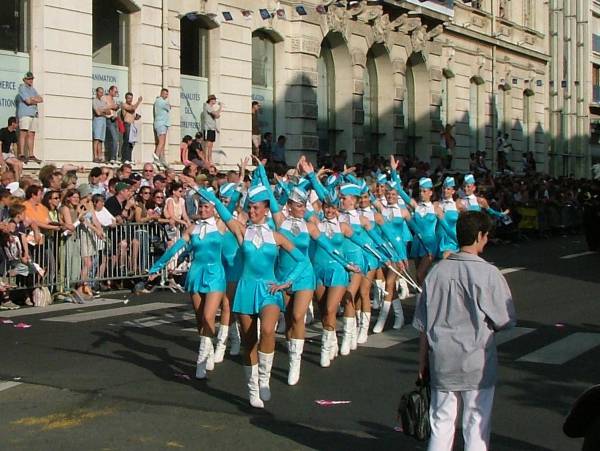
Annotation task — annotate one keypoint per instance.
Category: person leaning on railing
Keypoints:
(70, 249)
(107, 221)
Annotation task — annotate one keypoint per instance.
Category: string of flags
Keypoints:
(279, 12)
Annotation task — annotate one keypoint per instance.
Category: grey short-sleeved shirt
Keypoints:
(98, 104)
(464, 301)
(208, 121)
(23, 109)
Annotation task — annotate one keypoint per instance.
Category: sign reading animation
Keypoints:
(12, 68)
(106, 75)
(194, 91)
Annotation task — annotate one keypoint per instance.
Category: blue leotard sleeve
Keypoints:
(273, 204)
(495, 213)
(317, 186)
(168, 255)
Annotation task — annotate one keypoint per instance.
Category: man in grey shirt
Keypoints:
(211, 111)
(27, 114)
(465, 300)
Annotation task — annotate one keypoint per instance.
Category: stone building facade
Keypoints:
(361, 76)
(574, 86)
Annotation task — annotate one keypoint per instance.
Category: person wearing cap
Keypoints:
(298, 298)
(423, 223)
(28, 100)
(211, 111)
(205, 281)
(162, 122)
(258, 294)
(472, 202)
(229, 195)
(447, 212)
(333, 268)
(392, 222)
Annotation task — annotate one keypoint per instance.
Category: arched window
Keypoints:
(110, 44)
(263, 79)
(371, 107)
(194, 36)
(326, 101)
(476, 119)
(528, 120)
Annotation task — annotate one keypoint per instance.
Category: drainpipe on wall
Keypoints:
(165, 43)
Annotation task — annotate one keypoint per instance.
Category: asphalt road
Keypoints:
(110, 376)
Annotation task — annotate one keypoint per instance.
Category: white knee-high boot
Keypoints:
(210, 360)
(295, 348)
(378, 293)
(234, 339)
(221, 343)
(349, 330)
(402, 288)
(363, 328)
(398, 314)
(354, 339)
(381, 319)
(309, 318)
(326, 347)
(252, 381)
(335, 347)
(265, 362)
(203, 352)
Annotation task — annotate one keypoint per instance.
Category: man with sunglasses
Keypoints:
(147, 175)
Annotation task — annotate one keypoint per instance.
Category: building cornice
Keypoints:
(498, 42)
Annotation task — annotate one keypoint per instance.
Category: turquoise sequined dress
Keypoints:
(329, 272)
(446, 242)
(206, 273)
(352, 251)
(295, 230)
(259, 253)
(425, 221)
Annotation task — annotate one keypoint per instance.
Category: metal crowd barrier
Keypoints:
(62, 261)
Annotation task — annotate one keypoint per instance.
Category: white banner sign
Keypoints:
(105, 76)
(194, 91)
(12, 68)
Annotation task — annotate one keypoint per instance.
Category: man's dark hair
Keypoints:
(186, 139)
(97, 198)
(254, 102)
(12, 120)
(128, 94)
(96, 171)
(32, 190)
(164, 90)
(469, 224)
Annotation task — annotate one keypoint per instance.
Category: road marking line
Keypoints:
(504, 336)
(580, 254)
(58, 307)
(155, 320)
(8, 384)
(563, 350)
(511, 270)
(391, 338)
(121, 311)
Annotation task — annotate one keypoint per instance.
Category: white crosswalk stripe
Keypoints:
(159, 320)
(504, 336)
(580, 254)
(511, 270)
(109, 313)
(5, 385)
(563, 350)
